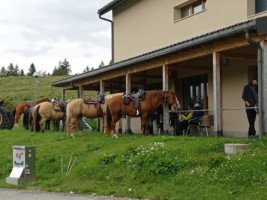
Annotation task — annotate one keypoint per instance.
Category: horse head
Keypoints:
(172, 99)
(55, 100)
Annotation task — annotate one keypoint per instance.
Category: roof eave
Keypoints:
(252, 25)
(110, 6)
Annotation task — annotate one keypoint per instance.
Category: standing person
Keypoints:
(250, 97)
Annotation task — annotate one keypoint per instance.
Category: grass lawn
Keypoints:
(153, 167)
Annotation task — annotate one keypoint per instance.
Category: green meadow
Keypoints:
(151, 167)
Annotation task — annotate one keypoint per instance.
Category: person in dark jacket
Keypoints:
(250, 97)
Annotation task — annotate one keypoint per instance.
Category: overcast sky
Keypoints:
(45, 32)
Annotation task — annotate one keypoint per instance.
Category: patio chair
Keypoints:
(205, 121)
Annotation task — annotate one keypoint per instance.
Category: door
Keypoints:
(195, 89)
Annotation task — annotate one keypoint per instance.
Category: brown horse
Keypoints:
(21, 108)
(45, 111)
(77, 109)
(153, 99)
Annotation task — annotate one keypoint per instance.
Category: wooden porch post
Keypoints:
(128, 89)
(165, 86)
(81, 91)
(101, 91)
(63, 95)
(102, 87)
(217, 94)
(264, 85)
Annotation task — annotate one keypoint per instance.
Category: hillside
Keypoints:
(152, 167)
(18, 89)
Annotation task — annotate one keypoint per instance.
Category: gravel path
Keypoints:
(13, 194)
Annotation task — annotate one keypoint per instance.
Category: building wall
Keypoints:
(234, 77)
(141, 26)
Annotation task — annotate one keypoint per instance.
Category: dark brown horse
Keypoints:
(21, 108)
(148, 106)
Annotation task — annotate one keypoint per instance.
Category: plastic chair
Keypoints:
(194, 125)
(206, 122)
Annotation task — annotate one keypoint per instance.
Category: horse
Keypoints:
(45, 111)
(148, 106)
(76, 109)
(21, 108)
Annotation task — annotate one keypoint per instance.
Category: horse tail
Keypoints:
(36, 119)
(26, 119)
(109, 118)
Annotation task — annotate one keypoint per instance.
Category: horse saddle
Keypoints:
(30, 104)
(59, 107)
(96, 103)
(136, 98)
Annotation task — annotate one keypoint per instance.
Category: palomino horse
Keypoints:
(45, 111)
(21, 108)
(77, 109)
(148, 106)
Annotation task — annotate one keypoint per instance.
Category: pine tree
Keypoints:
(22, 72)
(102, 64)
(11, 70)
(31, 70)
(16, 70)
(3, 72)
(62, 69)
(87, 69)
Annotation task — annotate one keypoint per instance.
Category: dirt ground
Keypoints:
(13, 194)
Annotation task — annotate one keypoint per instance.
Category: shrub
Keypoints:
(107, 159)
(150, 160)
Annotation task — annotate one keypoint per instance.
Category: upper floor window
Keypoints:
(190, 9)
(260, 6)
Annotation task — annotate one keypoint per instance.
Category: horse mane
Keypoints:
(41, 100)
(156, 93)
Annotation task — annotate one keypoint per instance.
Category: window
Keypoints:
(193, 8)
(261, 5)
(183, 10)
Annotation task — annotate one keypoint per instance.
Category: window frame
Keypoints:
(191, 7)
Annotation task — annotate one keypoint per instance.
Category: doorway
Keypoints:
(195, 89)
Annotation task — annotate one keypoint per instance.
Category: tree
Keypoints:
(16, 70)
(31, 70)
(3, 72)
(102, 64)
(12, 71)
(22, 72)
(62, 69)
(87, 69)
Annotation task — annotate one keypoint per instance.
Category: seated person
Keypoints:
(185, 117)
(193, 116)
(197, 114)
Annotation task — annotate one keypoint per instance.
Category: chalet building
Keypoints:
(205, 50)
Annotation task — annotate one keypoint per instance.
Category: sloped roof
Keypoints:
(259, 25)
(109, 6)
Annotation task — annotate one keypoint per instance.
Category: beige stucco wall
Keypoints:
(234, 77)
(141, 26)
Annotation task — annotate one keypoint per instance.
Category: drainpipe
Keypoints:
(260, 99)
(112, 37)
